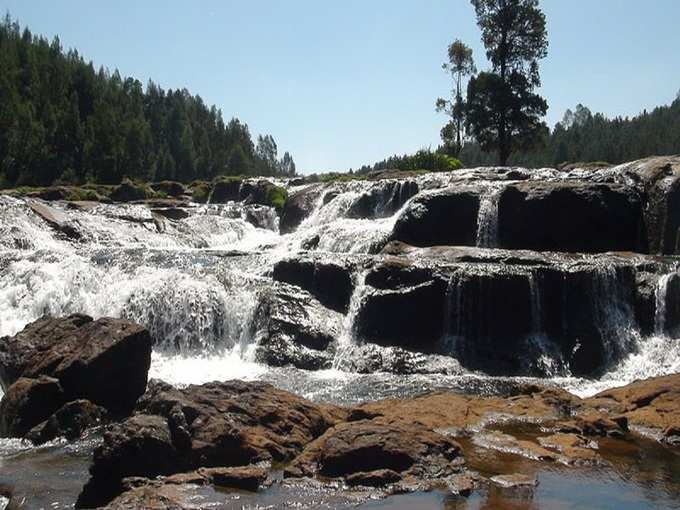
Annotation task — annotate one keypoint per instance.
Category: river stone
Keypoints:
(377, 453)
(290, 327)
(105, 361)
(27, 403)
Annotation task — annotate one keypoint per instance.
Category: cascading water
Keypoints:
(347, 337)
(453, 315)
(660, 296)
(543, 355)
(487, 219)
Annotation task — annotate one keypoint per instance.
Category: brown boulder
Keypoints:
(104, 361)
(374, 452)
(27, 403)
(227, 424)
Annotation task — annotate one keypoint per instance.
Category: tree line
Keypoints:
(62, 121)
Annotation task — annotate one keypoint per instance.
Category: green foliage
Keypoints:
(62, 121)
(503, 112)
(200, 191)
(583, 136)
(276, 197)
(460, 65)
(422, 161)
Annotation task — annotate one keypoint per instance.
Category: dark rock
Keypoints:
(601, 217)
(261, 216)
(56, 219)
(407, 316)
(443, 217)
(375, 452)
(383, 200)
(27, 403)
(327, 280)
(128, 191)
(70, 421)
(140, 446)
(170, 188)
(292, 328)
(298, 207)
(370, 358)
(104, 361)
(225, 190)
(172, 213)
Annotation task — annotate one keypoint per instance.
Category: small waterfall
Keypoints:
(347, 337)
(453, 307)
(614, 314)
(660, 301)
(549, 360)
(487, 219)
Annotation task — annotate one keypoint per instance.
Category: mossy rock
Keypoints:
(129, 191)
(200, 191)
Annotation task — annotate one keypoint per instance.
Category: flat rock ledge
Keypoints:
(236, 435)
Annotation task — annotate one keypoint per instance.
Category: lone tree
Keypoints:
(460, 65)
(503, 112)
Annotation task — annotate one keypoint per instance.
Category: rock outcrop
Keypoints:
(214, 425)
(572, 217)
(446, 216)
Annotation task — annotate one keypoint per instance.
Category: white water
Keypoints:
(487, 218)
(660, 303)
(348, 331)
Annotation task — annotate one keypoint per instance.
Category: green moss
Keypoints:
(276, 197)
(200, 191)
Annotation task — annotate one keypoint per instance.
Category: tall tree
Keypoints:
(503, 113)
(460, 65)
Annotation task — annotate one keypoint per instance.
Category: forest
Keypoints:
(63, 122)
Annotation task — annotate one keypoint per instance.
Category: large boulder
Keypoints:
(446, 216)
(571, 216)
(225, 190)
(104, 361)
(293, 328)
(298, 207)
(329, 280)
(225, 424)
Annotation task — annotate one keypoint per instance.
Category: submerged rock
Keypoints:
(56, 219)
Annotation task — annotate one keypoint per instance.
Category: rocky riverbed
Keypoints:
(432, 341)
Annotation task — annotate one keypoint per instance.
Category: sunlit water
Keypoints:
(195, 286)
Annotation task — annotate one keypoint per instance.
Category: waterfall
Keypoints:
(453, 307)
(487, 219)
(613, 313)
(347, 337)
(660, 301)
(549, 360)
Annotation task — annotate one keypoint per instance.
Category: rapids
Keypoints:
(195, 285)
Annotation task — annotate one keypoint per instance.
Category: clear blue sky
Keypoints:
(348, 82)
